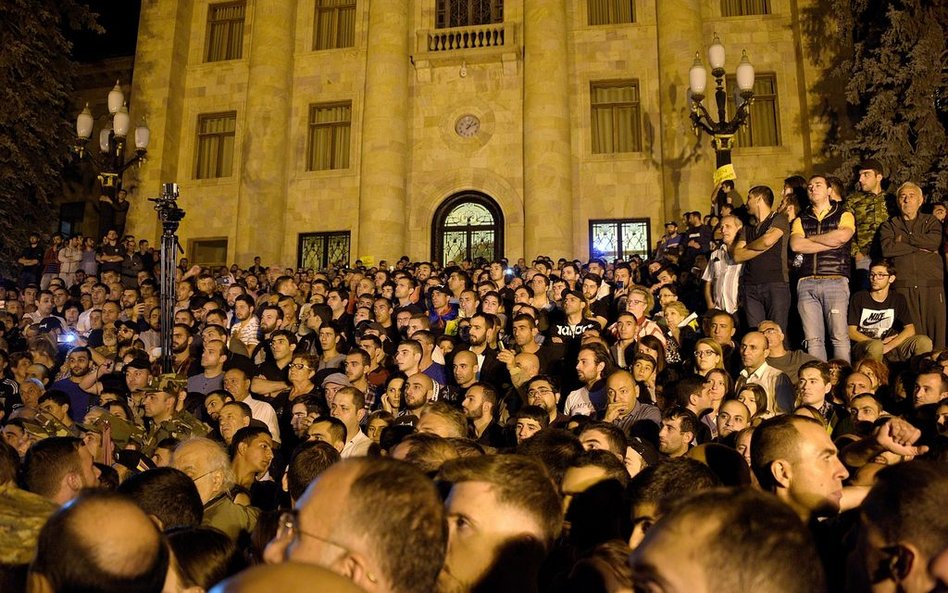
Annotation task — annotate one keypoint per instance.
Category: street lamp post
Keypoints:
(110, 162)
(722, 130)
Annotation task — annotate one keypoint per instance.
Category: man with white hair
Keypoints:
(208, 465)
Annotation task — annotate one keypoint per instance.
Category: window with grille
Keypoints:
(611, 12)
(744, 7)
(225, 31)
(327, 146)
(619, 238)
(616, 119)
(208, 252)
(468, 13)
(763, 124)
(321, 250)
(334, 24)
(215, 145)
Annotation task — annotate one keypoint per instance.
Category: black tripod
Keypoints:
(170, 216)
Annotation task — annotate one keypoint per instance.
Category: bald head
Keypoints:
(80, 550)
(754, 350)
(529, 365)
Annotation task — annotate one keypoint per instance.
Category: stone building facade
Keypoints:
(305, 131)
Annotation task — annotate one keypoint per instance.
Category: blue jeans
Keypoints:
(823, 304)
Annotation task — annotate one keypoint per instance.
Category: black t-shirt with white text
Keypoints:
(879, 320)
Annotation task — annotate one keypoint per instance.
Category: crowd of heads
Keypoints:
(663, 422)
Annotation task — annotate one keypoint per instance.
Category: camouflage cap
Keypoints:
(167, 383)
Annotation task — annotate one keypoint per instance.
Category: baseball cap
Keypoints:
(576, 293)
(873, 164)
(645, 449)
(442, 289)
(167, 383)
(48, 324)
(337, 379)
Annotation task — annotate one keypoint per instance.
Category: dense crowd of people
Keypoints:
(761, 405)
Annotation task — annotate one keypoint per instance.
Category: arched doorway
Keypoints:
(467, 225)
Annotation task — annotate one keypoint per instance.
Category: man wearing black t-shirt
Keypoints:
(880, 324)
(763, 250)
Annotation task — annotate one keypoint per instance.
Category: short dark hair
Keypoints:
(47, 461)
(166, 493)
(775, 438)
(398, 508)
(605, 460)
(555, 448)
(689, 421)
(337, 428)
(763, 192)
(614, 436)
(765, 546)
(517, 480)
(246, 435)
(9, 463)
(534, 413)
(308, 461)
(671, 479)
(821, 367)
(205, 556)
(906, 504)
(60, 398)
(244, 408)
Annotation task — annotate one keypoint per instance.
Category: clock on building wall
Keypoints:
(467, 126)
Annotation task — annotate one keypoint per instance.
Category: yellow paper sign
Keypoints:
(724, 174)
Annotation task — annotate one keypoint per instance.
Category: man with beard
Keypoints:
(479, 404)
(492, 370)
(213, 358)
(418, 390)
(79, 362)
(271, 319)
(679, 426)
(592, 363)
(247, 324)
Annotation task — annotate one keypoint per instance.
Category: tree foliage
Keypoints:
(36, 79)
(888, 57)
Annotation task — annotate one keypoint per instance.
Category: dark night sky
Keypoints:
(120, 20)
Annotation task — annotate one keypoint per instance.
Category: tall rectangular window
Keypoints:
(744, 7)
(616, 117)
(468, 13)
(327, 146)
(215, 145)
(335, 24)
(619, 238)
(320, 250)
(611, 12)
(763, 125)
(225, 31)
